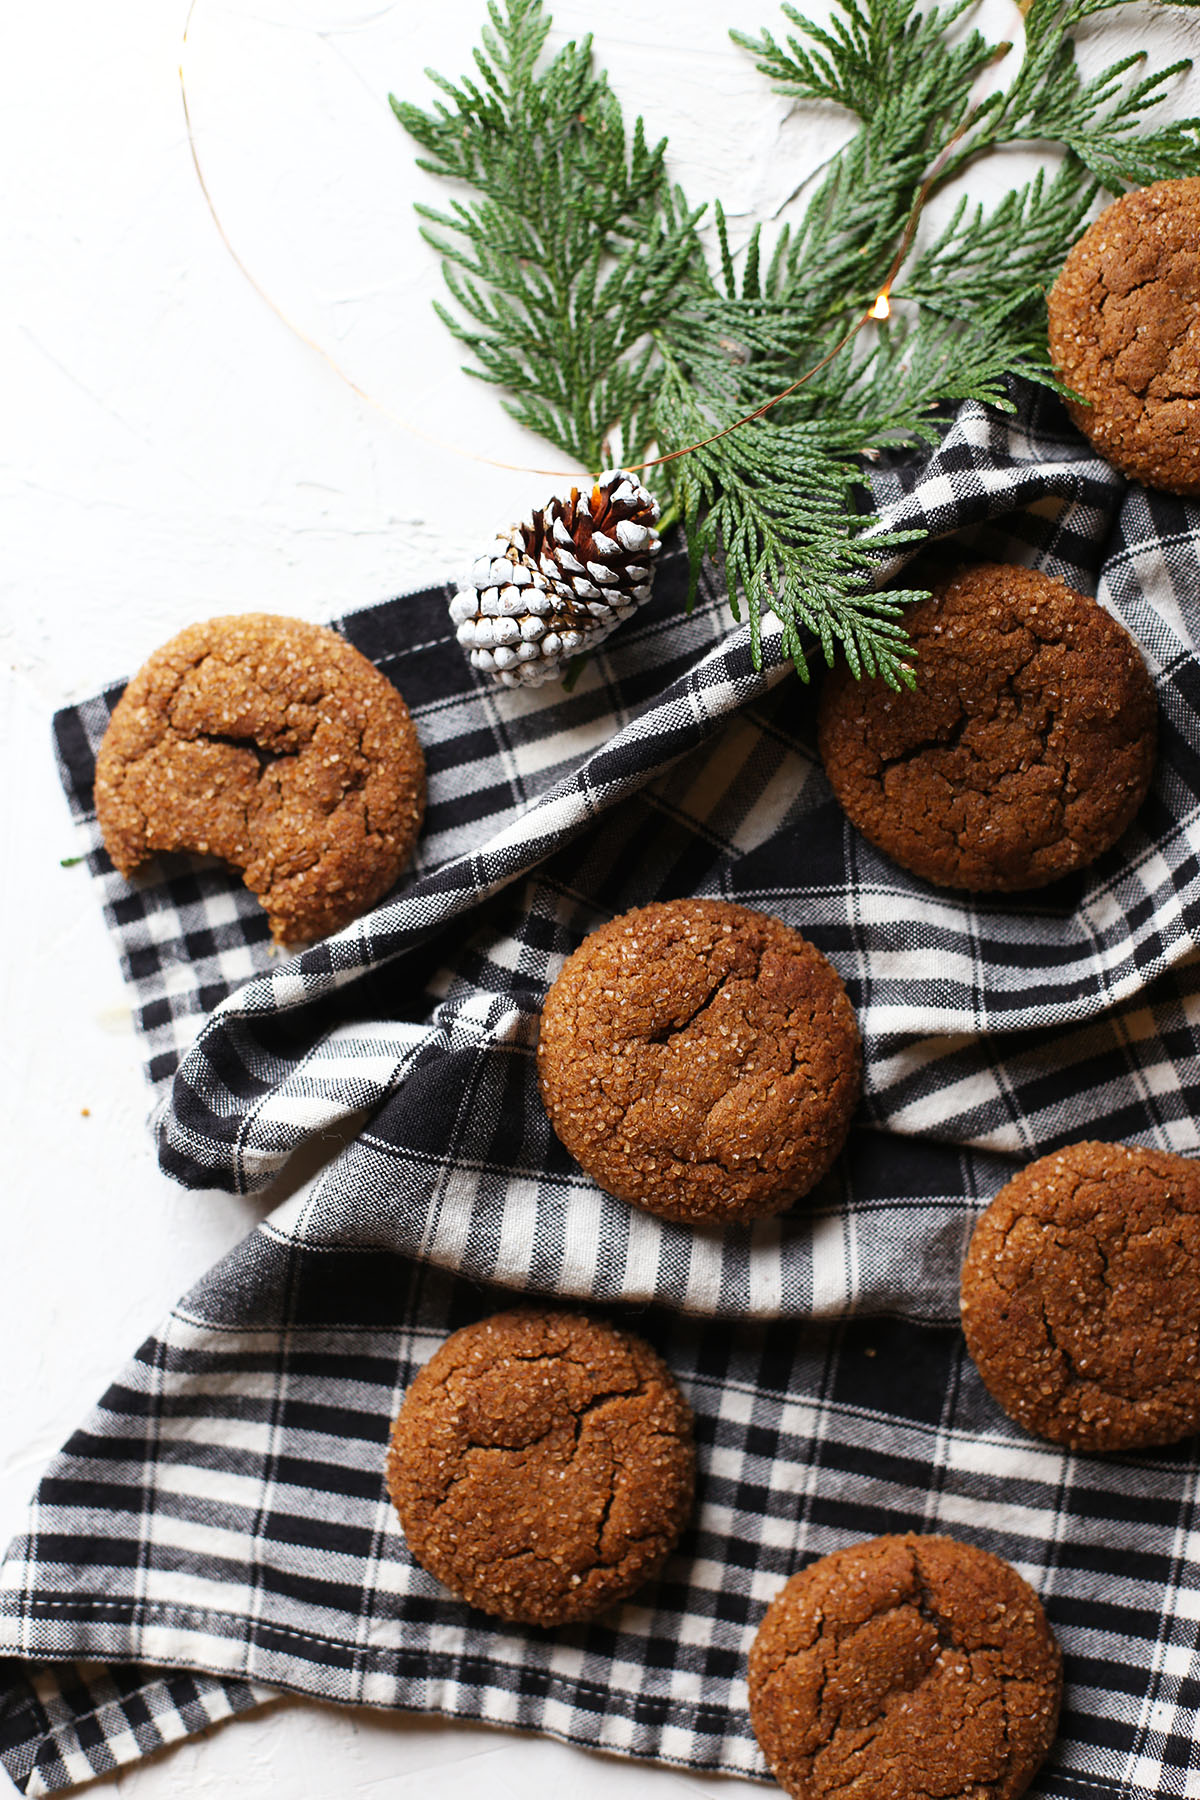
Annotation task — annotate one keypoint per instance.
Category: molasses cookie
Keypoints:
(902, 1668)
(1024, 750)
(542, 1465)
(276, 746)
(1125, 334)
(1081, 1297)
(700, 1060)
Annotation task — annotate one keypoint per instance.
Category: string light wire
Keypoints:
(880, 309)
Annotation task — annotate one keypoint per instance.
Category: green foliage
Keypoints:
(582, 289)
(576, 245)
(1100, 121)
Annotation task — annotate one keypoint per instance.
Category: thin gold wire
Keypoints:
(878, 310)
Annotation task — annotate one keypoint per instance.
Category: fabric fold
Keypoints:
(220, 1518)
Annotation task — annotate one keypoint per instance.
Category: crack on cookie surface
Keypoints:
(1025, 749)
(1124, 320)
(275, 746)
(543, 1438)
(1081, 1297)
(700, 1060)
(886, 1670)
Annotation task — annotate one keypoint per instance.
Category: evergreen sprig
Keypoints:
(582, 288)
(573, 250)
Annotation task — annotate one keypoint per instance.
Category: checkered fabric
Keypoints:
(220, 1520)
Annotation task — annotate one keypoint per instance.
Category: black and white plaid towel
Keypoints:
(218, 1527)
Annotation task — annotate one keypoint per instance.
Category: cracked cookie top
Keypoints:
(700, 1060)
(1125, 334)
(542, 1465)
(277, 747)
(1025, 748)
(905, 1668)
(1081, 1297)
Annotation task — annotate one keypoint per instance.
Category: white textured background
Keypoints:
(169, 450)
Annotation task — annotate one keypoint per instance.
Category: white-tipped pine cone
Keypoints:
(555, 588)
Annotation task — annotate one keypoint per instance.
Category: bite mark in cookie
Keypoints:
(277, 747)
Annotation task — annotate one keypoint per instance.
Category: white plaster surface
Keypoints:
(169, 449)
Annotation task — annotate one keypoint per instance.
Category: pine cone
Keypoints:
(555, 588)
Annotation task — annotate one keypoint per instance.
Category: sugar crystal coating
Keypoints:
(1081, 1297)
(1024, 750)
(276, 746)
(542, 1465)
(905, 1668)
(1125, 334)
(701, 1060)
